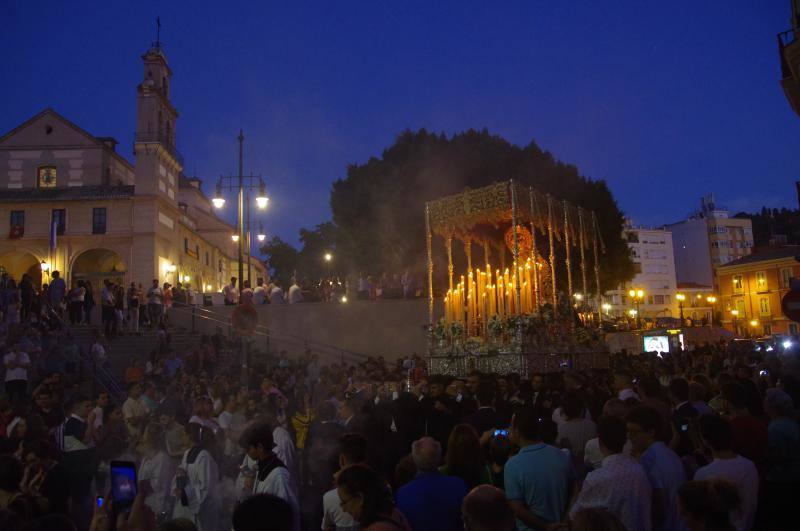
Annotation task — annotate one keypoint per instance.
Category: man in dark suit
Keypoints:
(485, 418)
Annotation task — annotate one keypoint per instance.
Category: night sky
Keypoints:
(665, 100)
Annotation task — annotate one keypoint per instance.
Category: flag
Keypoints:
(53, 234)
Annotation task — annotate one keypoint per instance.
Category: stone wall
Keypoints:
(391, 329)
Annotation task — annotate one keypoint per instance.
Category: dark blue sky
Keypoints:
(665, 100)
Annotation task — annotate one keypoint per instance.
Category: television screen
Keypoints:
(656, 343)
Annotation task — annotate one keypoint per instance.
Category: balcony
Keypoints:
(789, 50)
(155, 137)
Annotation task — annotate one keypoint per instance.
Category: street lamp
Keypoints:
(261, 235)
(711, 300)
(681, 297)
(242, 183)
(235, 237)
(218, 200)
(637, 295)
(606, 307)
(261, 198)
(328, 257)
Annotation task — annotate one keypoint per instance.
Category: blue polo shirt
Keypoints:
(540, 476)
(432, 502)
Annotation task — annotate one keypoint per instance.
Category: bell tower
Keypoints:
(158, 162)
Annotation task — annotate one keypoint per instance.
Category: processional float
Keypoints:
(508, 315)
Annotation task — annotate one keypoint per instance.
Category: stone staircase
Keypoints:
(122, 349)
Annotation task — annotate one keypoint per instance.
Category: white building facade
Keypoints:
(651, 251)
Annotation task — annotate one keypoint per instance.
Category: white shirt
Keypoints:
(230, 292)
(202, 492)
(159, 469)
(276, 295)
(295, 294)
(17, 373)
(558, 418)
(259, 295)
(575, 434)
(593, 456)
(743, 474)
(333, 515)
(279, 483)
(284, 447)
(628, 393)
(621, 486)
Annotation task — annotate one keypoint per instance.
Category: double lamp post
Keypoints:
(243, 184)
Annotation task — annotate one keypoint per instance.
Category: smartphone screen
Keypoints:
(100, 501)
(501, 433)
(123, 484)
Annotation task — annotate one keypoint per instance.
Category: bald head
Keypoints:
(427, 454)
(485, 509)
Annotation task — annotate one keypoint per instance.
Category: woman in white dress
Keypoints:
(156, 471)
(196, 484)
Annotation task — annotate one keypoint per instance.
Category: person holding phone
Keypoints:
(195, 487)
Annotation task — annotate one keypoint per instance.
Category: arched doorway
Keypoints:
(18, 263)
(97, 265)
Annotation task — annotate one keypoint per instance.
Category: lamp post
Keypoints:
(637, 295)
(753, 325)
(711, 300)
(242, 184)
(606, 307)
(681, 297)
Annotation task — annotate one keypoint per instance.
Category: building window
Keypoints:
(197, 252)
(767, 329)
(207, 261)
(763, 305)
(761, 280)
(740, 307)
(186, 244)
(658, 299)
(632, 237)
(793, 328)
(17, 228)
(60, 220)
(220, 266)
(737, 283)
(99, 220)
(785, 277)
(637, 267)
(47, 177)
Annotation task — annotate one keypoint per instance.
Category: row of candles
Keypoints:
(483, 294)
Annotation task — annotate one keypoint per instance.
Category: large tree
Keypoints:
(378, 207)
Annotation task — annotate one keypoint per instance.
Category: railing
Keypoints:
(264, 333)
(160, 138)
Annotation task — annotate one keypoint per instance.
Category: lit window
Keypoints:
(785, 277)
(47, 176)
(737, 282)
(761, 280)
(763, 305)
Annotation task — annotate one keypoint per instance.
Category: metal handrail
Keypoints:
(264, 331)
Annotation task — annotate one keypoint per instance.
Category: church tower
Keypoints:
(158, 162)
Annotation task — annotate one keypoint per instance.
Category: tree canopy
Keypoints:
(378, 207)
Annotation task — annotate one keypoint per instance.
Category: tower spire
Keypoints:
(158, 32)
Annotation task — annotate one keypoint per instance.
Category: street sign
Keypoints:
(791, 305)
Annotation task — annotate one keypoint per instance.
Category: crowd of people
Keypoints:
(331, 288)
(706, 439)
